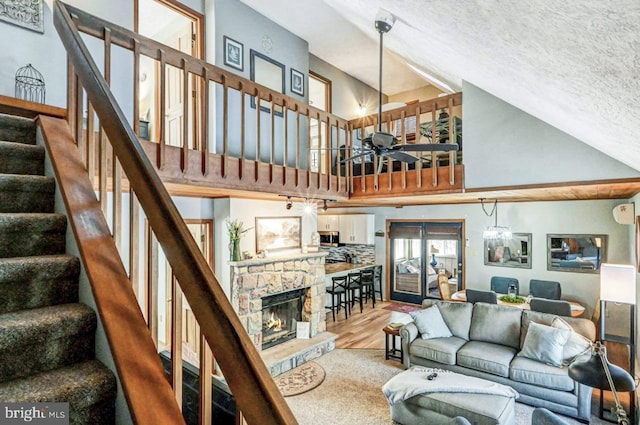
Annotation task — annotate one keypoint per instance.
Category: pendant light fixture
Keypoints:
(495, 232)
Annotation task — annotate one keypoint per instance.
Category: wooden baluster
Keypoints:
(338, 144)
(225, 127)
(72, 93)
(418, 169)
(186, 96)
(136, 87)
(328, 155)
(256, 169)
(134, 242)
(272, 141)
(308, 148)
(403, 132)
(116, 176)
(152, 289)
(389, 160)
(242, 160)
(452, 162)
(297, 183)
(163, 112)
(105, 142)
(206, 369)
(90, 153)
(176, 339)
(205, 123)
(285, 127)
(79, 119)
(434, 156)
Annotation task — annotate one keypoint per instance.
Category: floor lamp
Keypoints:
(617, 284)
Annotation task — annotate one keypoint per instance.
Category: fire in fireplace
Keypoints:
(280, 314)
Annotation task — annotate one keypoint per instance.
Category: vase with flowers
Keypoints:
(235, 229)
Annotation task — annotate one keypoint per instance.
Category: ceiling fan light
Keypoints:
(384, 20)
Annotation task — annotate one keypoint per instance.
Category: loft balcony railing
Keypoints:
(205, 126)
(432, 121)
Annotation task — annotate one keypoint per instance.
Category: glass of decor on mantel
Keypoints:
(235, 229)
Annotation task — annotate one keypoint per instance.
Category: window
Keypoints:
(319, 92)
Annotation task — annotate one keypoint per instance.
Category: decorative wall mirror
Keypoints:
(269, 73)
(576, 253)
(514, 252)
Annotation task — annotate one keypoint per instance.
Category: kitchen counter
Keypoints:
(337, 269)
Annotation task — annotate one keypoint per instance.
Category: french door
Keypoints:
(418, 252)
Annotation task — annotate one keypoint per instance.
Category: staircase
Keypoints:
(47, 350)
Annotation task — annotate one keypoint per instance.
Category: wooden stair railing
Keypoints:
(255, 392)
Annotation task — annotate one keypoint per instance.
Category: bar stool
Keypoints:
(366, 283)
(377, 281)
(338, 292)
(354, 284)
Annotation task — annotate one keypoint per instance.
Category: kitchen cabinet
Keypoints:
(330, 223)
(357, 229)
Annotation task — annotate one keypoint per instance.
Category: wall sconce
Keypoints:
(495, 232)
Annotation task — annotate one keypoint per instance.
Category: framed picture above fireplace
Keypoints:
(276, 233)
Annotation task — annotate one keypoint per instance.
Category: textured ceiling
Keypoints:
(573, 64)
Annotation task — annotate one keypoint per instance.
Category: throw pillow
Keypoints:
(430, 323)
(544, 344)
(576, 344)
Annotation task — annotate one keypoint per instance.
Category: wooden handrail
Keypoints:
(248, 378)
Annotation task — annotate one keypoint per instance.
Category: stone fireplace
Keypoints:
(280, 316)
(298, 276)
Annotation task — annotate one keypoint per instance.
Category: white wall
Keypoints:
(538, 218)
(504, 146)
(246, 211)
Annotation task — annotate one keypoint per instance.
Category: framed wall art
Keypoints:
(23, 13)
(233, 53)
(276, 233)
(297, 82)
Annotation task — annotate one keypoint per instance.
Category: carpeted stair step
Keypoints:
(88, 387)
(42, 339)
(24, 235)
(17, 129)
(33, 282)
(25, 193)
(18, 158)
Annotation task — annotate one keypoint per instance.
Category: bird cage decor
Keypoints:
(30, 84)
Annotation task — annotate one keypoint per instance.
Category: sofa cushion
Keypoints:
(486, 357)
(441, 350)
(575, 346)
(456, 315)
(497, 324)
(533, 372)
(545, 344)
(430, 323)
(584, 327)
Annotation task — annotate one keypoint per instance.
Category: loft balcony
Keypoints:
(210, 132)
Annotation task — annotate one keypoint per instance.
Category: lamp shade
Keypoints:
(618, 283)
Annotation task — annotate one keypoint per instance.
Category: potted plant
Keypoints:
(235, 229)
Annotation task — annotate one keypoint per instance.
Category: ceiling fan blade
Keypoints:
(430, 147)
(400, 156)
(359, 156)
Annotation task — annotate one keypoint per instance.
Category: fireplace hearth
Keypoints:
(280, 314)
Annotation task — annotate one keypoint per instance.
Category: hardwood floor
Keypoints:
(363, 330)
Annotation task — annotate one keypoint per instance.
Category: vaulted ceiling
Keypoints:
(574, 65)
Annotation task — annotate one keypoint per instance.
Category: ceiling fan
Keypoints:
(382, 143)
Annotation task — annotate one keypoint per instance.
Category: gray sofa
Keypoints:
(485, 342)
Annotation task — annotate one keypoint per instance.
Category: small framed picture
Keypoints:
(233, 53)
(297, 82)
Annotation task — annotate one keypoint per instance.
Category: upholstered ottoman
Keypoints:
(433, 408)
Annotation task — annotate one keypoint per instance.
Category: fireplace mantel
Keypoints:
(253, 279)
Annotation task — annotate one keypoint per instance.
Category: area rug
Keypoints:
(402, 308)
(351, 392)
(300, 379)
